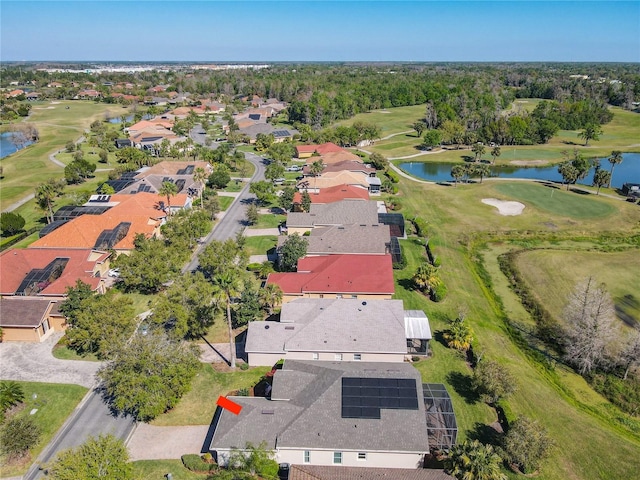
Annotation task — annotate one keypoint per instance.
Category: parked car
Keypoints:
(114, 272)
(294, 168)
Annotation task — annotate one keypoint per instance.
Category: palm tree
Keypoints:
(457, 172)
(600, 179)
(614, 159)
(482, 171)
(168, 189)
(474, 461)
(46, 194)
(227, 284)
(459, 335)
(478, 150)
(11, 394)
(426, 277)
(495, 153)
(200, 176)
(270, 296)
(592, 131)
(265, 269)
(316, 169)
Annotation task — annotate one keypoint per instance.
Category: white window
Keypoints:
(338, 357)
(337, 457)
(307, 456)
(316, 356)
(362, 456)
(357, 356)
(354, 296)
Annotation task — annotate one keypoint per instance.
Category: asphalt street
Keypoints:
(91, 418)
(234, 217)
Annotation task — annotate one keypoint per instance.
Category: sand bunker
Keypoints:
(504, 207)
(528, 163)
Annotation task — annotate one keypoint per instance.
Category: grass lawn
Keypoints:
(234, 186)
(558, 202)
(269, 220)
(54, 402)
(391, 120)
(260, 245)
(553, 275)
(56, 125)
(61, 351)
(225, 202)
(198, 405)
(579, 420)
(141, 302)
(158, 469)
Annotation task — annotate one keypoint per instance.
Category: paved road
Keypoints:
(232, 222)
(89, 419)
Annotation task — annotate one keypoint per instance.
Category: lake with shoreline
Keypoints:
(626, 172)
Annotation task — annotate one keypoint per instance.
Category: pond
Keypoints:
(128, 118)
(626, 172)
(7, 147)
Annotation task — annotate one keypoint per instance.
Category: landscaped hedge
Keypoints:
(439, 292)
(195, 463)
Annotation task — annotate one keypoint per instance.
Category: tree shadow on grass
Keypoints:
(485, 434)
(407, 284)
(463, 386)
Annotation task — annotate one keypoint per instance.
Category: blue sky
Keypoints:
(320, 31)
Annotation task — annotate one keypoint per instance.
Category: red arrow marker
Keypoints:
(227, 404)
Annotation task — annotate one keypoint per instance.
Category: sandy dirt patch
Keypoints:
(526, 163)
(44, 108)
(55, 103)
(504, 207)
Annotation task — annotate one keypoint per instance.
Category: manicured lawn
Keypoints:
(56, 125)
(234, 186)
(158, 469)
(553, 275)
(225, 202)
(579, 420)
(260, 245)
(199, 404)
(269, 220)
(61, 351)
(54, 403)
(391, 120)
(558, 202)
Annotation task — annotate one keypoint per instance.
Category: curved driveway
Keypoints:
(34, 362)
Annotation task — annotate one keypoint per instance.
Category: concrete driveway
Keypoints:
(34, 362)
(161, 443)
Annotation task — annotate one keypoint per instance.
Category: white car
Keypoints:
(294, 168)
(114, 272)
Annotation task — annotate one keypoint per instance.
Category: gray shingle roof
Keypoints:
(345, 212)
(23, 311)
(312, 417)
(349, 239)
(332, 325)
(327, 472)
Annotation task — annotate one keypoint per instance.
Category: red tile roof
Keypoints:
(17, 263)
(349, 274)
(334, 194)
(320, 149)
(141, 210)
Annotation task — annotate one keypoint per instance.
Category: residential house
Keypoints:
(29, 319)
(356, 239)
(331, 472)
(331, 195)
(150, 179)
(306, 151)
(345, 212)
(47, 272)
(143, 213)
(159, 124)
(345, 165)
(330, 158)
(349, 414)
(343, 177)
(364, 277)
(333, 330)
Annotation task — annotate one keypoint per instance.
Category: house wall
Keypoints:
(15, 334)
(361, 296)
(269, 359)
(58, 323)
(305, 155)
(298, 230)
(350, 458)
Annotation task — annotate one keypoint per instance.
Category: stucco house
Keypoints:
(345, 212)
(351, 414)
(335, 330)
(29, 319)
(358, 239)
(363, 277)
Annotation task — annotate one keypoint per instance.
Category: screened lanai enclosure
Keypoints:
(442, 427)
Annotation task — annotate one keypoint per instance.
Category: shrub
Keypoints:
(439, 292)
(195, 463)
(244, 366)
(11, 223)
(242, 392)
(254, 267)
(421, 226)
(437, 262)
(18, 435)
(393, 176)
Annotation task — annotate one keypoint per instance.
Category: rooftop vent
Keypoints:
(266, 327)
(267, 412)
(289, 328)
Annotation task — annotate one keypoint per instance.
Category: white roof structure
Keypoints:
(416, 325)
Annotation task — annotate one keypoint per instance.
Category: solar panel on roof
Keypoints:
(364, 397)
